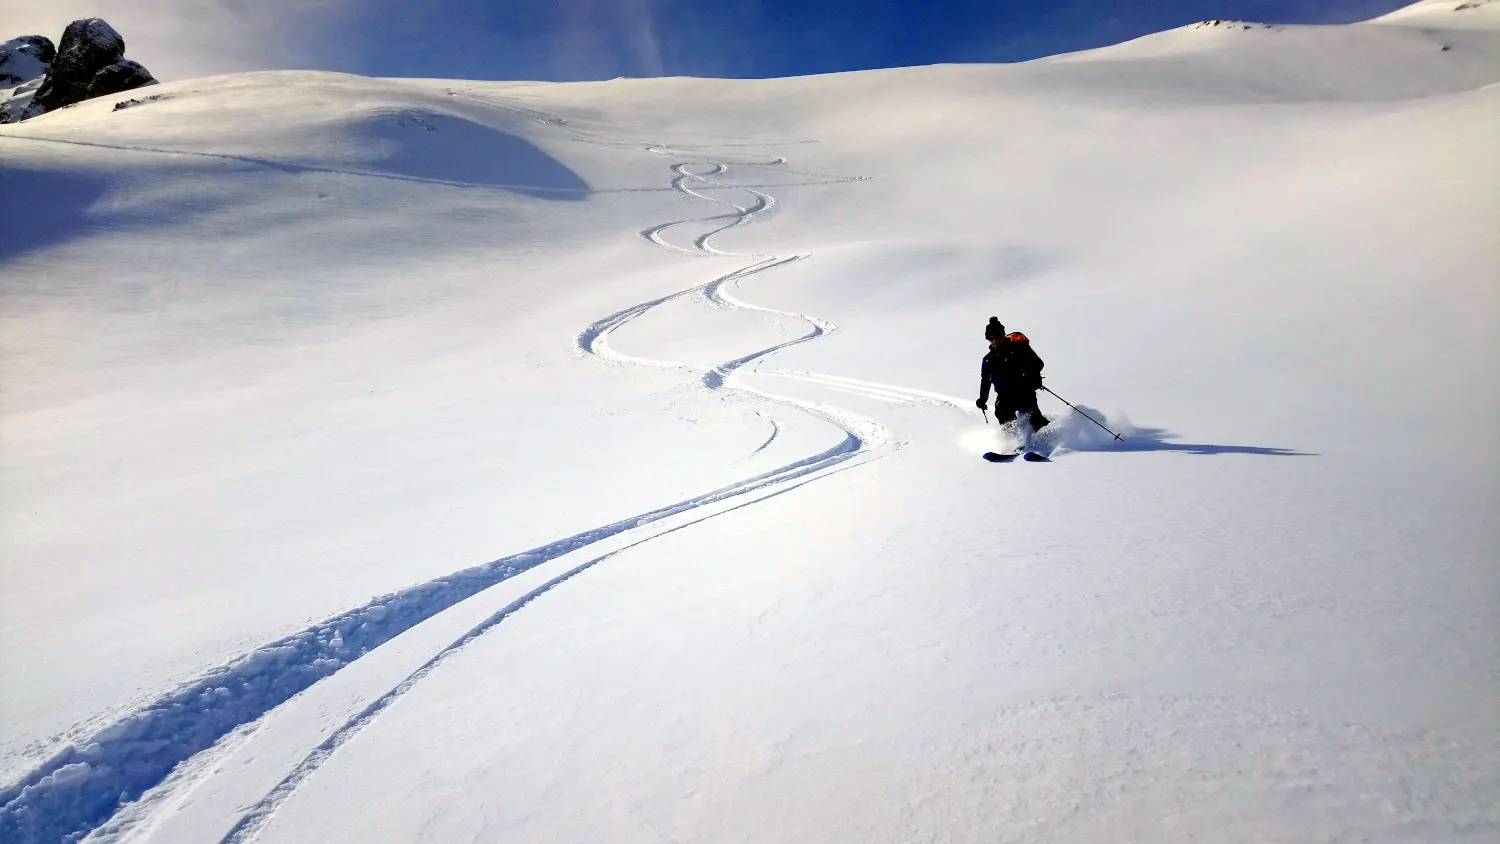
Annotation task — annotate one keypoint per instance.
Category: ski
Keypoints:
(1029, 457)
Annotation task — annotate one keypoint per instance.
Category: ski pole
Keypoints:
(1081, 413)
(985, 414)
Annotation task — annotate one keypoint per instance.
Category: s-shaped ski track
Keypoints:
(88, 783)
(863, 439)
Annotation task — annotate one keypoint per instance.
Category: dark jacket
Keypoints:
(1012, 368)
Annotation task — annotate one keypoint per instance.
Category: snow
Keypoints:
(22, 72)
(437, 460)
(1447, 14)
(21, 61)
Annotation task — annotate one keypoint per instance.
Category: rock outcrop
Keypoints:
(24, 59)
(89, 62)
(123, 75)
(23, 64)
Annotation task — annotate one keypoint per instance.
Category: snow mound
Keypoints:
(433, 146)
(326, 123)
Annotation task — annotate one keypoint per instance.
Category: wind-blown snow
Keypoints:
(275, 343)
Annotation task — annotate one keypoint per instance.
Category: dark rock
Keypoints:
(133, 102)
(88, 46)
(88, 62)
(25, 58)
(123, 75)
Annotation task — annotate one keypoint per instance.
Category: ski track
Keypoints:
(775, 432)
(87, 783)
(258, 815)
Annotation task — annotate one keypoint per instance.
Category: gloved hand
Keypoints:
(980, 403)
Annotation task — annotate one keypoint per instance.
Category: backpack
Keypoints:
(1023, 362)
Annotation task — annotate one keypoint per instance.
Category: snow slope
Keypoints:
(438, 460)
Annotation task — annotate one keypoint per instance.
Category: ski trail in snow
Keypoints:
(864, 440)
(906, 395)
(86, 784)
(257, 816)
(775, 432)
(692, 179)
(119, 763)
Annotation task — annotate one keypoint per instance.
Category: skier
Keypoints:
(992, 372)
(1015, 370)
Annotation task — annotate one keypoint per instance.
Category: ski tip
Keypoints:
(996, 457)
(1033, 457)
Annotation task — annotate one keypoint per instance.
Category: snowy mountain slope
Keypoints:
(294, 340)
(1279, 63)
(1441, 14)
(208, 365)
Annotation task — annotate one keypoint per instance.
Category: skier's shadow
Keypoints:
(1160, 439)
(1157, 439)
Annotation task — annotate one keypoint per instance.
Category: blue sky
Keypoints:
(599, 39)
(594, 39)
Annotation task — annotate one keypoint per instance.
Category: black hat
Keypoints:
(994, 329)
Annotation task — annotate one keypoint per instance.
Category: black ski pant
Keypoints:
(1012, 402)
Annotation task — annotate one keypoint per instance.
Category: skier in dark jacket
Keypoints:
(1015, 371)
(992, 372)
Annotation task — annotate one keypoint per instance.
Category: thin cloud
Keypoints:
(640, 28)
(599, 38)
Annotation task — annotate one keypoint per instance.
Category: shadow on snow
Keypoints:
(1159, 440)
(1073, 432)
(43, 208)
